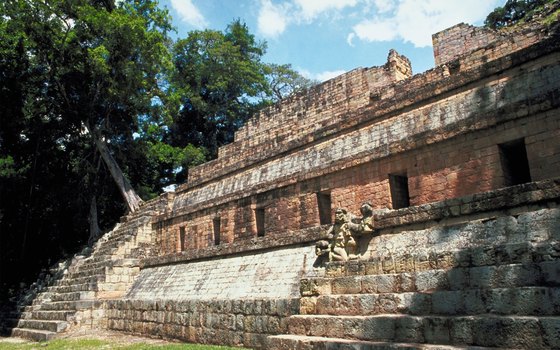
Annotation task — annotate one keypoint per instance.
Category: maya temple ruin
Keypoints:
(378, 210)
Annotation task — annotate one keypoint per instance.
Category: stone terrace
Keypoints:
(460, 164)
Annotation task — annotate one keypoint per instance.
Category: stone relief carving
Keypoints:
(341, 244)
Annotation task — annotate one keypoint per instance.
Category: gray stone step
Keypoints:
(81, 280)
(50, 315)
(84, 273)
(33, 334)
(538, 301)
(68, 305)
(290, 342)
(425, 260)
(43, 325)
(74, 288)
(545, 273)
(73, 296)
(482, 330)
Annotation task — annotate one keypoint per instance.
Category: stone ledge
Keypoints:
(397, 97)
(476, 121)
(304, 236)
(533, 193)
(500, 199)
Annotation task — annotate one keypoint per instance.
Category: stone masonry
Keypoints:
(460, 164)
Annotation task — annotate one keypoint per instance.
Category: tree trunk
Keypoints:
(94, 230)
(132, 200)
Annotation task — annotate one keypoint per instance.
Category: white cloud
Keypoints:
(350, 39)
(189, 13)
(375, 30)
(415, 21)
(322, 76)
(312, 8)
(384, 5)
(272, 19)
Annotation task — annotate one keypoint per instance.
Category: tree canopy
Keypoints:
(101, 110)
(513, 12)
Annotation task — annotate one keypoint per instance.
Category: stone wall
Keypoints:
(446, 147)
(234, 300)
(225, 322)
(464, 39)
(236, 243)
(494, 252)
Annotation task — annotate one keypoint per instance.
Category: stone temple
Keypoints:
(378, 210)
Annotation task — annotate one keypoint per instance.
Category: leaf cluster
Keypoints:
(513, 12)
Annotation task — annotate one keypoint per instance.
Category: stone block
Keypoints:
(458, 278)
(482, 277)
(373, 328)
(346, 285)
(461, 331)
(308, 305)
(379, 283)
(431, 280)
(447, 302)
(550, 272)
(406, 282)
(409, 330)
(551, 332)
(436, 330)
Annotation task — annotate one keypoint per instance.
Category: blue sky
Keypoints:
(324, 38)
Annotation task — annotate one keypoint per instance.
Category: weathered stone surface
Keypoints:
(457, 257)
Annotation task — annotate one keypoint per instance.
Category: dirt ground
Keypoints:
(116, 337)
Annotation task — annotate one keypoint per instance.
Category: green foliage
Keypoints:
(221, 82)
(66, 66)
(76, 72)
(284, 81)
(513, 12)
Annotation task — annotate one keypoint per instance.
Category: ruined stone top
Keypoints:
(333, 105)
(266, 166)
(302, 115)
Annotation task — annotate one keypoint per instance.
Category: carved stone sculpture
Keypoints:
(365, 225)
(341, 245)
(341, 242)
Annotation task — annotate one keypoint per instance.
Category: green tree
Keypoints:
(219, 83)
(284, 81)
(78, 79)
(512, 12)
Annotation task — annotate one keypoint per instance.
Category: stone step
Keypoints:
(43, 325)
(33, 334)
(482, 330)
(72, 296)
(478, 256)
(74, 288)
(105, 266)
(290, 342)
(481, 277)
(105, 258)
(538, 301)
(41, 299)
(106, 251)
(81, 280)
(49, 315)
(68, 305)
(83, 273)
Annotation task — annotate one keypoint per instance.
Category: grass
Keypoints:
(94, 344)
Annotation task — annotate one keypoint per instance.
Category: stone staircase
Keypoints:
(76, 299)
(499, 294)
